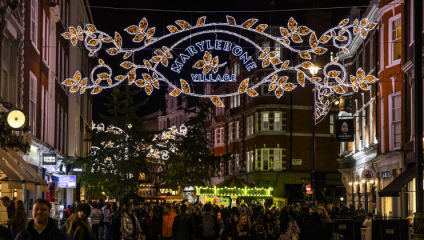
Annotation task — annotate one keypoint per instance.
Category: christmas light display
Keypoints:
(234, 191)
(334, 81)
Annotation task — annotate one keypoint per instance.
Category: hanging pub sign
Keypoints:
(368, 174)
(192, 53)
(344, 130)
(49, 159)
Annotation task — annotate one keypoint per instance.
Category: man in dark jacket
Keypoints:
(303, 217)
(210, 224)
(313, 230)
(183, 226)
(42, 227)
(10, 207)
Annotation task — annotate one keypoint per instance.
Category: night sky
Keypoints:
(109, 20)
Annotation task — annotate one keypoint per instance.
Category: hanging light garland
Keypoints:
(334, 81)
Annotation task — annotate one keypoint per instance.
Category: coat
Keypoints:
(313, 231)
(292, 228)
(127, 227)
(167, 223)
(79, 230)
(183, 227)
(49, 233)
(19, 221)
(251, 233)
(96, 216)
(107, 215)
(151, 227)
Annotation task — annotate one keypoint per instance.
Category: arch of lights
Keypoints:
(335, 81)
(161, 140)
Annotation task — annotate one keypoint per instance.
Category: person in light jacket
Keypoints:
(95, 216)
(368, 224)
(130, 227)
(107, 216)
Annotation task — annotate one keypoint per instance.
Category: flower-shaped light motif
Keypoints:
(281, 85)
(140, 32)
(76, 82)
(74, 34)
(162, 56)
(207, 64)
(363, 27)
(268, 57)
(361, 80)
(294, 32)
(149, 82)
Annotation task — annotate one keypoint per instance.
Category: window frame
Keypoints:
(33, 102)
(34, 23)
(391, 41)
(392, 137)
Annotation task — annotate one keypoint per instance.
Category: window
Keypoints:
(371, 52)
(219, 136)
(277, 121)
(237, 130)
(43, 36)
(265, 159)
(277, 49)
(6, 80)
(230, 131)
(394, 120)
(395, 49)
(381, 52)
(277, 160)
(265, 122)
(411, 22)
(34, 21)
(332, 124)
(235, 101)
(33, 103)
(249, 126)
(382, 124)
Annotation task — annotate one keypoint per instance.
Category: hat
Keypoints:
(85, 208)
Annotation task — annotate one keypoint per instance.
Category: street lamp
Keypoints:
(16, 119)
(314, 70)
(341, 199)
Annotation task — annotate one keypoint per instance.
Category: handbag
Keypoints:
(294, 235)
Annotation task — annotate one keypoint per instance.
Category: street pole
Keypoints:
(419, 214)
(313, 174)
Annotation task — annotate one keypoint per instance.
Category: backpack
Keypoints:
(208, 225)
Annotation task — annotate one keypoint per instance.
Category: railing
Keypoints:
(366, 234)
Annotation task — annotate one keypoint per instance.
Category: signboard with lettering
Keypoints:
(368, 174)
(296, 161)
(49, 159)
(344, 130)
(67, 181)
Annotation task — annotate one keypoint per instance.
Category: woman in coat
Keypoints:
(152, 225)
(96, 216)
(19, 218)
(244, 229)
(288, 226)
(77, 227)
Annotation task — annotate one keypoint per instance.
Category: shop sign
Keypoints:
(77, 169)
(296, 161)
(49, 159)
(368, 174)
(386, 174)
(67, 181)
(344, 130)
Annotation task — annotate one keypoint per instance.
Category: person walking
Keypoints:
(303, 217)
(10, 208)
(288, 227)
(210, 224)
(313, 230)
(269, 226)
(151, 225)
(244, 229)
(42, 227)
(197, 219)
(116, 222)
(107, 216)
(96, 216)
(19, 218)
(183, 226)
(167, 222)
(130, 227)
(77, 227)
(232, 226)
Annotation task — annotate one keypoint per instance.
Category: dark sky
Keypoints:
(109, 20)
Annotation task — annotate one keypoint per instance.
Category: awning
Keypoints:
(15, 166)
(10, 174)
(174, 199)
(40, 180)
(392, 190)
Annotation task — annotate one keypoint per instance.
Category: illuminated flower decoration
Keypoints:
(208, 64)
(140, 32)
(280, 85)
(148, 82)
(162, 57)
(363, 27)
(75, 34)
(361, 80)
(268, 57)
(76, 82)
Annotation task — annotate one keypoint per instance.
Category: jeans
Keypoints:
(107, 230)
(95, 231)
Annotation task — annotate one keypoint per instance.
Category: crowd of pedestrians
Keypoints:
(182, 221)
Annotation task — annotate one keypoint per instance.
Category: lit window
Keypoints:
(230, 131)
(237, 130)
(265, 121)
(277, 121)
(394, 121)
(395, 40)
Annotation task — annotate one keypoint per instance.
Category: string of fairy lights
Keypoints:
(159, 149)
(335, 80)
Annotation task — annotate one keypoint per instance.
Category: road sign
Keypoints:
(309, 189)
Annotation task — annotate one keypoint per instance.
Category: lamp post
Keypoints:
(314, 71)
(16, 119)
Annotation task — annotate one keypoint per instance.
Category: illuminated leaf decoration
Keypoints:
(370, 79)
(316, 79)
(305, 55)
(199, 64)
(139, 37)
(345, 50)
(320, 50)
(279, 92)
(272, 86)
(107, 40)
(363, 85)
(360, 73)
(68, 82)
(284, 32)
(343, 22)
(103, 75)
(364, 33)
(156, 84)
(96, 90)
(261, 28)
(249, 23)
(164, 61)
(313, 40)
(356, 30)
(303, 30)
(149, 89)
(140, 83)
(127, 54)
(292, 24)
(285, 64)
(251, 92)
(371, 26)
(355, 88)
(307, 65)
(275, 61)
(184, 86)
(341, 38)
(231, 20)
(243, 85)
(147, 64)
(147, 78)
(67, 35)
(176, 92)
(150, 32)
(74, 88)
(73, 30)
(333, 73)
(109, 81)
(265, 63)
(131, 76)
(289, 86)
(282, 80)
(301, 78)
(126, 65)
(84, 82)
(74, 41)
(183, 24)
(324, 38)
(339, 89)
(120, 78)
(118, 40)
(82, 90)
(143, 24)
(354, 80)
(296, 37)
(339, 80)
(155, 59)
(201, 21)
(335, 59)
(132, 29)
(363, 22)
(217, 101)
(172, 28)
(112, 51)
(91, 27)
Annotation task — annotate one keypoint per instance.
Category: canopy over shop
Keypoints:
(234, 188)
